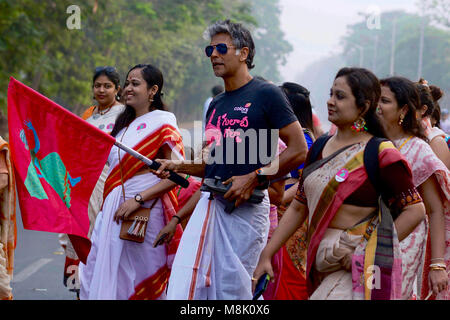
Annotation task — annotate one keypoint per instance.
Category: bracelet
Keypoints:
(179, 219)
(437, 259)
(437, 269)
(438, 265)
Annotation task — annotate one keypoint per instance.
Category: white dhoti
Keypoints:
(218, 252)
(114, 266)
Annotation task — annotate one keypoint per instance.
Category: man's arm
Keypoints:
(194, 168)
(295, 154)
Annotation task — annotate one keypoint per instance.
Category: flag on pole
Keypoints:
(57, 159)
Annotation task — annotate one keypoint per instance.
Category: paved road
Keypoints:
(38, 266)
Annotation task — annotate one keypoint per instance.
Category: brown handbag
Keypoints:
(133, 228)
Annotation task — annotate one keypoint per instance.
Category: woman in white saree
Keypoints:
(116, 268)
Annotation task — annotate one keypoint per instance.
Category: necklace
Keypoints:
(403, 144)
(103, 112)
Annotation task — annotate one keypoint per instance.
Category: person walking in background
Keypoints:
(107, 93)
(8, 231)
(276, 194)
(445, 121)
(436, 137)
(398, 107)
(116, 268)
(291, 282)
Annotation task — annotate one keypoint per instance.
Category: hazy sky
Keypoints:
(314, 27)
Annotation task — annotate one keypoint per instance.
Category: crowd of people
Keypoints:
(359, 212)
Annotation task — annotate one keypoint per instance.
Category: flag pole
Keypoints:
(153, 164)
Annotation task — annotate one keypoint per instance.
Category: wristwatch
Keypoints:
(262, 178)
(139, 199)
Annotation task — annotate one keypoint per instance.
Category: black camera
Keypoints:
(216, 186)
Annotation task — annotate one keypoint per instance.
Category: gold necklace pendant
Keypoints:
(103, 112)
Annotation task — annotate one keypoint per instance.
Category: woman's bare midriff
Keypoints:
(349, 215)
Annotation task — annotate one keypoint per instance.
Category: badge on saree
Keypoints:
(342, 175)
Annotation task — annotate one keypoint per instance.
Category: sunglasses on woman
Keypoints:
(221, 48)
(106, 69)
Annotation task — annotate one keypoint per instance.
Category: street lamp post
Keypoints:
(421, 44)
(394, 30)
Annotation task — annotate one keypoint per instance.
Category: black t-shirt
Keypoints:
(243, 127)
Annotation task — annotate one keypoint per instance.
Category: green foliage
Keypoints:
(438, 10)
(37, 48)
(435, 65)
(377, 48)
(269, 39)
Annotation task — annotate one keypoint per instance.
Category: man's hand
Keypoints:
(166, 165)
(242, 188)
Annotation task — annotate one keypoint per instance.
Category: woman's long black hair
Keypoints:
(113, 76)
(298, 97)
(152, 76)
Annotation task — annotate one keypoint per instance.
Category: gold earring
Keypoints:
(400, 122)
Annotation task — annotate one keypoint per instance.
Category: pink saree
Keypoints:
(416, 247)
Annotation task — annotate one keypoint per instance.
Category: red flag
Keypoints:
(57, 158)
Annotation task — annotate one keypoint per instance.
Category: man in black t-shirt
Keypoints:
(219, 251)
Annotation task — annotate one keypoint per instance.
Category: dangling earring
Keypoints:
(400, 122)
(359, 125)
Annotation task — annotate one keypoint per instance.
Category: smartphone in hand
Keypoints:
(161, 240)
(261, 286)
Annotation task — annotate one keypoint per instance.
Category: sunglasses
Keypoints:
(107, 69)
(221, 48)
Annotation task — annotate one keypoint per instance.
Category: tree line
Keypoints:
(392, 49)
(38, 48)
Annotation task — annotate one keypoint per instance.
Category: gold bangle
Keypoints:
(438, 269)
(441, 265)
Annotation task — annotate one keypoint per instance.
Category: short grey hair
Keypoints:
(239, 34)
